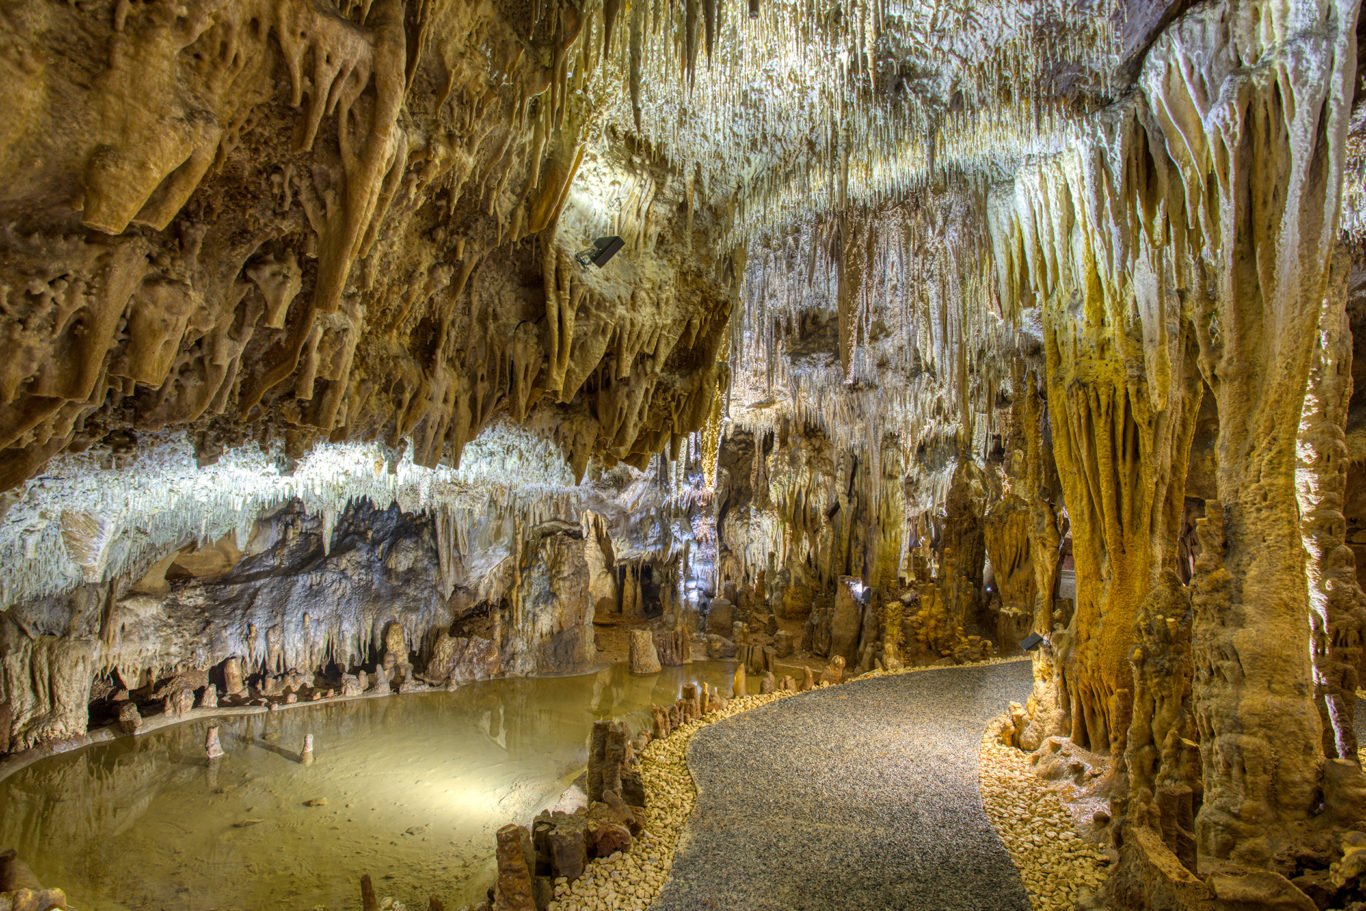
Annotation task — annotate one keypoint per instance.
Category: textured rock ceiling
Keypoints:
(285, 221)
(288, 223)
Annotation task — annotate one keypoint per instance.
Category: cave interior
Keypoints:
(933, 333)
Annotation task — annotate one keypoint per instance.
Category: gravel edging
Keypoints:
(631, 880)
(1057, 865)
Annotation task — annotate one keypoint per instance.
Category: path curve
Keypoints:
(861, 797)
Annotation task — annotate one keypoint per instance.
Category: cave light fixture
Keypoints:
(602, 251)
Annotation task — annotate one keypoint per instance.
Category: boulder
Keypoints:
(607, 838)
(719, 647)
(178, 702)
(129, 718)
(834, 671)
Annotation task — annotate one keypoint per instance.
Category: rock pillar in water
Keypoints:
(644, 658)
(306, 755)
(213, 748)
(233, 683)
(738, 682)
(514, 890)
(606, 753)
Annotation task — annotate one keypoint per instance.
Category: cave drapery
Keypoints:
(935, 325)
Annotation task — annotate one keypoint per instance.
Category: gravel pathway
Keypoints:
(862, 796)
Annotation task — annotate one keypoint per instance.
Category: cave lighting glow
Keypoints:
(91, 516)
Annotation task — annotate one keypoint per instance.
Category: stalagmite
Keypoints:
(643, 658)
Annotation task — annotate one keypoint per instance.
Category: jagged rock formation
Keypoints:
(279, 217)
(935, 325)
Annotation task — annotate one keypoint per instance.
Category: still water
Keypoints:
(409, 789)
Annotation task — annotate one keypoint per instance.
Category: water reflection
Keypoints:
(408, 789)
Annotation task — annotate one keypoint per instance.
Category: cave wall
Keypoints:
(283, 605)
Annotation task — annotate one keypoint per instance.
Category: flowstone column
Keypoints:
(1122, 399)
(1264, 120)
(1336, 602)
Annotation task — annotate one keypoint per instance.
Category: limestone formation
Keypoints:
(20, 889)
(738, 685)
(931, 329)
(833, 672)
(130, 719)
(643, 658)
(213, 747)
(514, 890)
(233, 682)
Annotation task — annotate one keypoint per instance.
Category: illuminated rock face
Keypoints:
(934, 325)
(279, 221)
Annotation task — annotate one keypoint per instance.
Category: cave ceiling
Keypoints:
(273, 226)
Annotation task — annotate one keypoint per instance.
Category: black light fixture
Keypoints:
(603, 249)
(1032, 641)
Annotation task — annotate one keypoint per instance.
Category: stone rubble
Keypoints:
(1058, 867)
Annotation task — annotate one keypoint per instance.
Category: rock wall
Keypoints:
(282, 606)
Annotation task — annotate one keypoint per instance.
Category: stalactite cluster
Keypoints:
(934, 325)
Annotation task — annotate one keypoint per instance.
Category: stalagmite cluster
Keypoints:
(935, 330)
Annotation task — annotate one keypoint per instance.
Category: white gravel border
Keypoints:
(1058, 867)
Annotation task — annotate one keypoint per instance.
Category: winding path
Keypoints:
(862, 796)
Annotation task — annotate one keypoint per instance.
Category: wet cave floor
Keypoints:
(409, 789)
